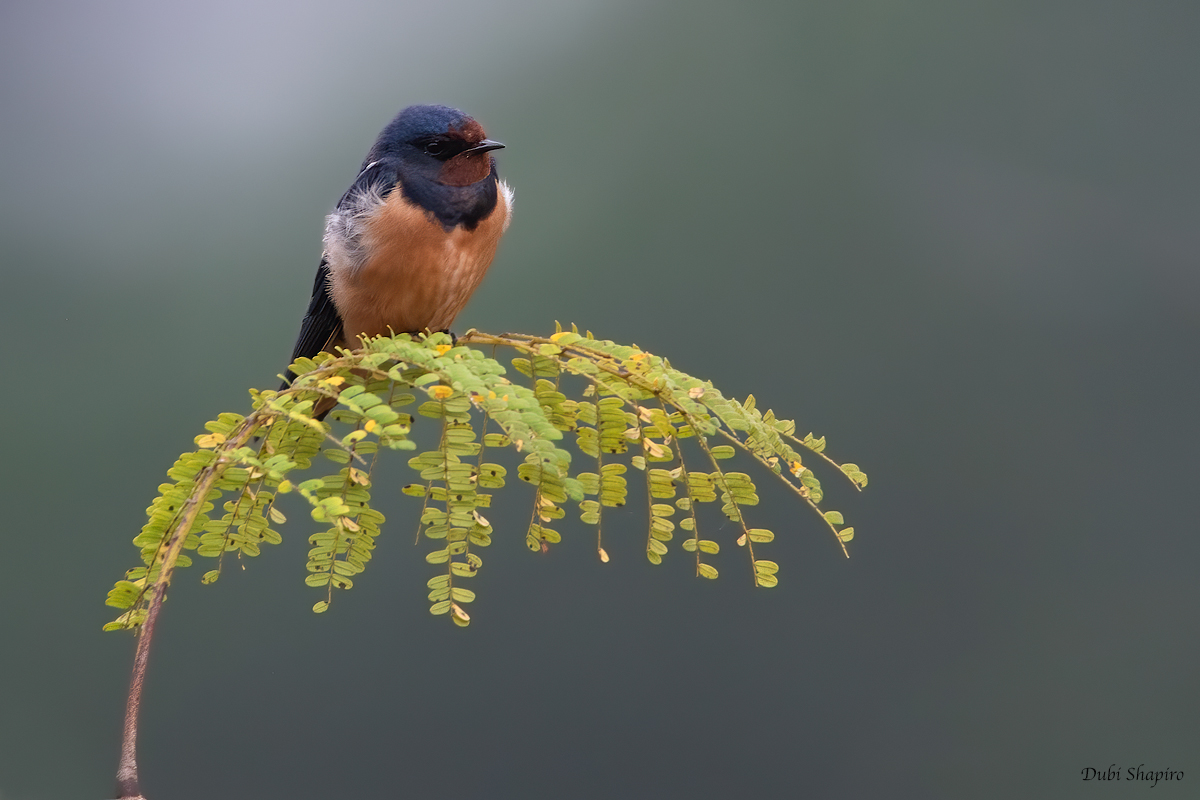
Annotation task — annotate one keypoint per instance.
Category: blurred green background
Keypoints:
(968, 229)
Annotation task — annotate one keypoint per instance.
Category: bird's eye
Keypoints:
(434, 148)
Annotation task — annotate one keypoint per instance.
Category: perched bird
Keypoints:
(412, 237)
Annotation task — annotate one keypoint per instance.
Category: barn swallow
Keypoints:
(412, 237)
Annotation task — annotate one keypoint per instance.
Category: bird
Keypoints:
(413, 236)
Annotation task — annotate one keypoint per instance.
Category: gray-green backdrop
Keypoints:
(968, 229)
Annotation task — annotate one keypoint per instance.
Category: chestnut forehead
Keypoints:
(468, 130)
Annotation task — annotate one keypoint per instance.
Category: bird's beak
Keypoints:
(482, 147)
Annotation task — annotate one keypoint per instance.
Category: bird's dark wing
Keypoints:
(322, 324)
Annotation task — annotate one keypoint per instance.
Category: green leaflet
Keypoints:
(576, 411)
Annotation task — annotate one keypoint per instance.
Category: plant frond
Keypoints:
(632, 410)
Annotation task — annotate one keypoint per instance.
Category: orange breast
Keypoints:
(416, 275)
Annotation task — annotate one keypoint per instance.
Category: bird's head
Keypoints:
(441, 143)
